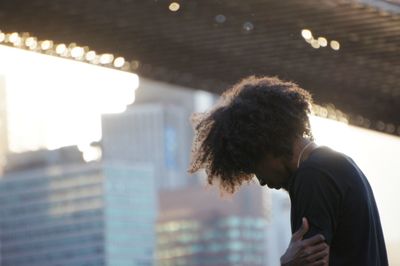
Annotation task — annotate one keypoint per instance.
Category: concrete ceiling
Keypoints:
(211, 44)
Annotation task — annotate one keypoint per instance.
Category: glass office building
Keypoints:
(77, 214)
(196, 227)
(154, 133)
(130, 213)
(3, 124)
(230, 240)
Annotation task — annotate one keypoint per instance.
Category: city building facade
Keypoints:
(197, 227)
(153, 133)
(59, 213)
(3, 124)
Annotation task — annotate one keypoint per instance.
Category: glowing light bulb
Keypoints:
(335, 45)
(46, 45)
(77, 52)
(90, 56)
(13, 37)
(18, 41)
(119, 62)
(174, 6)
(31, 42)
(106, 59)
(322, 41)
(248, 26)
(306, 34)
(61, 48)
(220, 18)
(315, 44)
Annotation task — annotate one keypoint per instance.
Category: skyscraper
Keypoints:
(278, 232)
(197, 227)
(188, 100)
(3, 124)
(155, 133)
(58, 210)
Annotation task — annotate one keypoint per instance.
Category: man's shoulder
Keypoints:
(324, 155)
(326, 161)
(325, 167)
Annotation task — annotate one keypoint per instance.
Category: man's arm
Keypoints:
(306, 252)
(316, 196)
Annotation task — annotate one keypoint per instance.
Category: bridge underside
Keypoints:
(211, 44)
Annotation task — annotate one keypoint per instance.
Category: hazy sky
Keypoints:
(56, 102)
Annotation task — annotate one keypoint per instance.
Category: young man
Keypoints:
(260, 127)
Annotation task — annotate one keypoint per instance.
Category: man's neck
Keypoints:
(302, 148)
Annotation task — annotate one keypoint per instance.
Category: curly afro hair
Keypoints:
(255, 117)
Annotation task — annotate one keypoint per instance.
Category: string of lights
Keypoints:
(69, 51)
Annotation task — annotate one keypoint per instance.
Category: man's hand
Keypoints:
(311, 251)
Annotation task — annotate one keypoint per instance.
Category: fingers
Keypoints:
(318, 256)
(319, 263)
(298, 235)
(318, 248)
(314, 240)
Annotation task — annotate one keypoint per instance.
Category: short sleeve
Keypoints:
(315, 195)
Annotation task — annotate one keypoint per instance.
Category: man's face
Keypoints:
(273, 171)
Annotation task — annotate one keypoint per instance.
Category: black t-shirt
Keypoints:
(334, 195)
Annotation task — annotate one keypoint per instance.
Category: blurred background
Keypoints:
(95, 135)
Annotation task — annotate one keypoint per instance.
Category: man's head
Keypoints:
(251, 130)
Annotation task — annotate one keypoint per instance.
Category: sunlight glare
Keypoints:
(54, 102)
